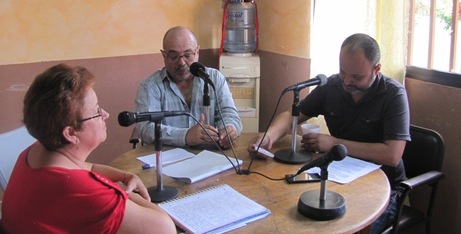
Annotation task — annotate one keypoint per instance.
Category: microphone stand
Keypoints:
(160, 193)
(206, 104)
(206, 113)
(290, 155)
(323, 204)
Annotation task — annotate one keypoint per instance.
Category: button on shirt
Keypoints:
(382, 114)
(158, 93)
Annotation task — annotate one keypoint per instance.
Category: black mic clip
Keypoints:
(318, 80)
(337, 153)
(197, 69)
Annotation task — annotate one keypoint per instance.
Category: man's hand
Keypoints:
(226, 138)
(253, 146)
(317, 142)
(197, 136)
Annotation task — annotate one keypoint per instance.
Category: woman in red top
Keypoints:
(52, 188)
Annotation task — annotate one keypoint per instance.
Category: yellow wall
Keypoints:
(285, 27)
(66, 29)
(48, 30)
(119, 41)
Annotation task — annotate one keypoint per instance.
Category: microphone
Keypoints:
(126, 118)
(197, 69)
(337, 153)
(320, 79)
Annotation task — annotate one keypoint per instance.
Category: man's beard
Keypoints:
(183, 68)
(352, 89)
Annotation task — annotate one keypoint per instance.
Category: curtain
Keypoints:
(334, 20)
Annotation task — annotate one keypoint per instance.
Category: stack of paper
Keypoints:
(169, 156)
(347, 170)
(201, 166)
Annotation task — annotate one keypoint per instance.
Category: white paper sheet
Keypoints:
(203, 165)
(347, 170)
(169, 156)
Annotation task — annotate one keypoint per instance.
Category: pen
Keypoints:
(146, 166)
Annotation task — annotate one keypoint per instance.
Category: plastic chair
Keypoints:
(423, 157)
(135, 138)
(12, 144)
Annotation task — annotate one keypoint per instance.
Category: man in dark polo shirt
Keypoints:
(364, 110)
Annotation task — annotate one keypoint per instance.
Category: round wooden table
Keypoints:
(366, 197)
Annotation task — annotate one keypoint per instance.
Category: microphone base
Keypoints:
(158, 195)
(309, 205)
(292, 157)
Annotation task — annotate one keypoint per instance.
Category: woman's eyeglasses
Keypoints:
(93, 117)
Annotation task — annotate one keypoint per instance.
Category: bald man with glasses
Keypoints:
(174, 88)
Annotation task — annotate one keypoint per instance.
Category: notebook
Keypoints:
(215, 210)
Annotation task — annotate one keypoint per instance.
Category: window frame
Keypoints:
(432, 35)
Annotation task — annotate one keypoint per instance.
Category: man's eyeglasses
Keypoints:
(174, 57)
(93, 117)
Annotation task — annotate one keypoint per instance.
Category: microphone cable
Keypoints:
(196, 68)
(247, 171)
(236, 167)
(227, 134)
(262, 139)
(217, 145)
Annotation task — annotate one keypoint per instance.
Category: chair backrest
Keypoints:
(424, 152)
(12, 144)
(135, 138)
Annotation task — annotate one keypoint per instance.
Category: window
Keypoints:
(433, 35)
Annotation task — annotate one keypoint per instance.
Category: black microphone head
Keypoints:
(338, 152)
(322, 78)
(195, 67)
(126, 118)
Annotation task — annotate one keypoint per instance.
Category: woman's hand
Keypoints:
(134, 184)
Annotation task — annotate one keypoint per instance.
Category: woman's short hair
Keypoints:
(55, 100)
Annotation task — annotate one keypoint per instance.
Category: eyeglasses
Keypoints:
(174, 57)
(93, 117)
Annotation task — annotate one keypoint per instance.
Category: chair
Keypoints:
(423, 157)
(135, 138)
(12, 144)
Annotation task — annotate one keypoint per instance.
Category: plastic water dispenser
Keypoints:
(242, 72)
